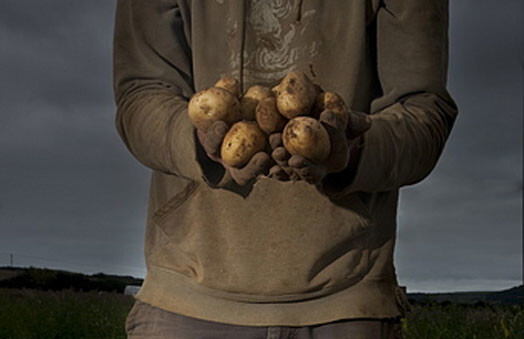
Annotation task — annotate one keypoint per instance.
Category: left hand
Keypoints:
(297, 167)
(211, 141)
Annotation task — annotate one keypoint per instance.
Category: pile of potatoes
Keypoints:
(292, 108)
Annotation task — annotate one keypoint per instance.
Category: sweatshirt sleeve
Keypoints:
(413, 117)
(152, 85)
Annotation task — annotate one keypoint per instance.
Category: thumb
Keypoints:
(214, 136)
(258, 164)
(358, 123)
(328, 117)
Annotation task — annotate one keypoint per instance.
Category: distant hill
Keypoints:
(47, 279)
(514, 295)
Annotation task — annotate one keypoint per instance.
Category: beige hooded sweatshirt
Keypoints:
(279, 252)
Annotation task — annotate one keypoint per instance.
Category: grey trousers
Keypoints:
(146, 321)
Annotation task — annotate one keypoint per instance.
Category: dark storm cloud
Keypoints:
(463, 233)
(65, 174)
(56, 94)
(486, 74)
(57, 106)
(462, 225)
(487, 30)
(56, 51)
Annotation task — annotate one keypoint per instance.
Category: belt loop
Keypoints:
(273, 333)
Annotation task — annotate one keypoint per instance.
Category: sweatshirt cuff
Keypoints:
(189, 158)
(184, 152)
(366, 174)
(366, 167)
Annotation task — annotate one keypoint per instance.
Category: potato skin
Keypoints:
(267, 116)
(243, 140)
(230, 84)
(295, 95)
(333, 102)
(251, 99)
(307, 137)
(212, 104)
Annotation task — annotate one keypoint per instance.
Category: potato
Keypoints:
(295, 95)
(307, 137)
(212, 104)
(230, 84)
(250, 100)
(333, 102)
(268, 118)
(243, 140)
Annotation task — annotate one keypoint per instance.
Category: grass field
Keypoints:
(459, 321)
(62, 314)
(28, 313)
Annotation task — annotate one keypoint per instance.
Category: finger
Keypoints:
(294, 176)
(219, 129)
(330, 118)
(298, 161)
(211, 152)
(274, 170)
(260, 161)
(278, 173)
(358, 123)
(281, 156)
(275, 140)
(214, 137)
(334, 127)
(257, 165)
(300, 167)
(337, 136)
(311, 174)
(307, 170)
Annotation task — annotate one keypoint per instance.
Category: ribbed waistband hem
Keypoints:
(367, 299)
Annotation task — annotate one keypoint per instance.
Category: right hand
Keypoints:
(343, 144)
(211, 141)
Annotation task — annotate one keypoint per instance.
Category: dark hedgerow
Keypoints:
(54, 280)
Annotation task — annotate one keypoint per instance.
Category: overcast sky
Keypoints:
(72, 197)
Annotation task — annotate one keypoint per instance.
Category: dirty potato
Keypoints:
(307, 137)
(251, 99)
(333, 102)
(243, 140)
(230, 84)
(267, 116)
(295, 95)
(210, 105)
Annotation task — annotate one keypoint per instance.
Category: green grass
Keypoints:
(28, 313)
(62, 314)
(460, 321)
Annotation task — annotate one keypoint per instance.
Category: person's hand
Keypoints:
(280, 170)
(297, 167)
(211, 141)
